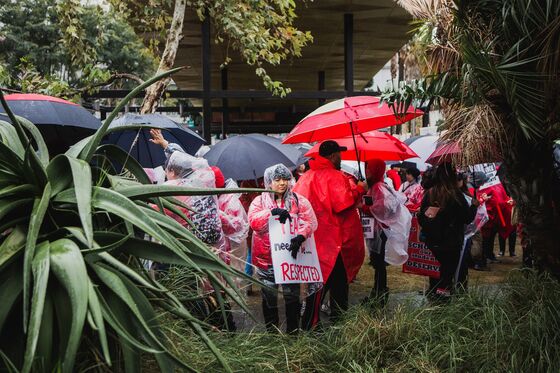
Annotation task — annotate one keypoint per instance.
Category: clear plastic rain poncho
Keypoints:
(259, 213)
(192, 172)
(235, 225)
(278, 171)
(234, 218)
(390, 214)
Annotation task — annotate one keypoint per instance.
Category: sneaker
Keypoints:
(443, 292)
(501, 253)
(494, 260)
(478, 267)
(512, 254)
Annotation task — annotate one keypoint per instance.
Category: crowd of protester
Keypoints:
(329, 205)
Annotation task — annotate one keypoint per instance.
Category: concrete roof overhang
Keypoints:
(381, 27)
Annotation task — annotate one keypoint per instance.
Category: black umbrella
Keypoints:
(245, 157)
(62, 123)
(131, 132)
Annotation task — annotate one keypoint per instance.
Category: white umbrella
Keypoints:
(424, 146)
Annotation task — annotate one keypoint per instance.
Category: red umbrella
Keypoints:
(444, 153)
(345, 117)
(371, 145)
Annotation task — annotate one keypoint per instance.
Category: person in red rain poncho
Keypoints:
(339, 237)
(499, 206)
(246, 199)
(286, 205)
(393, 174)
(234, 221)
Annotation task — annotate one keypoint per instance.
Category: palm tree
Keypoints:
(493, 70)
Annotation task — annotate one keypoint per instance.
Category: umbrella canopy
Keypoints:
(424, 146)
(356, 169)
(371, 145)
(347, 116)
(444, 153)
(62, 123)
(245, 157)
(131, 132)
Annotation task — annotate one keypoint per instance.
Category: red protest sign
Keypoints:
(420, 259)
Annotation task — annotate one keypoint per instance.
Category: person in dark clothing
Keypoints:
(428, 177)
(443, 215)
(462, 278)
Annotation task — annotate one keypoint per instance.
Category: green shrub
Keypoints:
(514, 328)
(72, 233)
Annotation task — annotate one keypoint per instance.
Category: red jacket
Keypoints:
(334, 199)
(395, 178)
(499, 211)
(302, 214)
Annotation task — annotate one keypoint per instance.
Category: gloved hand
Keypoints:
(296, 244)
(283, 214)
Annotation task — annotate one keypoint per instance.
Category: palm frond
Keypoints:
(479, 131)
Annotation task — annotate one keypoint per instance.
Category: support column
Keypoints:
(225, 107)
(206, 81)
(349, 53)
(321, 85)
(400, 78)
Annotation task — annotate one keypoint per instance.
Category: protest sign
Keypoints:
(491, 172)
(287, 270)
(420, 259)
(367, 227)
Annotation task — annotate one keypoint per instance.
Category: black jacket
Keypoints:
(447, 230)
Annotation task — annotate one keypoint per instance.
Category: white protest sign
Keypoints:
(490, 170)
(287, 270)
(367, 227)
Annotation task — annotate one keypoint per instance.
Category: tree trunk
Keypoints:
(529, 181)
(174, 36)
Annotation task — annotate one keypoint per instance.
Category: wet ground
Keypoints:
(403, 287)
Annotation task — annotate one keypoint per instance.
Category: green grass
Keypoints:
(514, 329)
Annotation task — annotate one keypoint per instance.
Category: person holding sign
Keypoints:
(294, 212)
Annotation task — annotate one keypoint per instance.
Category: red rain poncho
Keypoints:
(499, 211)
(260, 212)
(334, 199)
(395, 178)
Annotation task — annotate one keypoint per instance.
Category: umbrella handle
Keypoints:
(360, 177)
(348, 106)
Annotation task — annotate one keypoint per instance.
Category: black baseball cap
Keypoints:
(329, 147)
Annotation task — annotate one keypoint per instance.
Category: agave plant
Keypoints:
(494, 73)
(72, 236)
